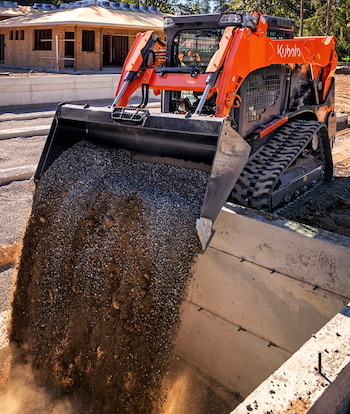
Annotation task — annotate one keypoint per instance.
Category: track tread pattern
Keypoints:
(259, 177)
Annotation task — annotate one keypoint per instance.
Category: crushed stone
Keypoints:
(105, 264)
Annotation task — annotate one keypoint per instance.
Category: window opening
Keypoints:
(43, 39)
(69, 49)
(88, 41)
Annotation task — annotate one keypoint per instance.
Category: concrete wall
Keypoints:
(302, 384)
(54, 89)
(259, 292)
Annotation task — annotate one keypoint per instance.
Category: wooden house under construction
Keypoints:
(79, 37)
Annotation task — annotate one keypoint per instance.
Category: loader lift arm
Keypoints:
(241, 51)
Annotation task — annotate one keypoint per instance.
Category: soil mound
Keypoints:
(106, 259)
(330, 210)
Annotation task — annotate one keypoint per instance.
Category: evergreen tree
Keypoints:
(315, 25)
(189, 7)
(205, 6)
(281, 8)
(165, 6)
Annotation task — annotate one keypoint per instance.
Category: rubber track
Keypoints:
(261, 174)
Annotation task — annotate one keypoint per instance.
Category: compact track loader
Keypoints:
(241, 98)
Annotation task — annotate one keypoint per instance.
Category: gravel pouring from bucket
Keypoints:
(194, 141)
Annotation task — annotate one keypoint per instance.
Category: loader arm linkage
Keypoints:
(241, 51)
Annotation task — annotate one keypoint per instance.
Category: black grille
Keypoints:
(262, 93)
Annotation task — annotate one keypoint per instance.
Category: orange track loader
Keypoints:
(241, 98)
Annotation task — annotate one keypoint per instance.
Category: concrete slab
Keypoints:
(16, 174)
(25, 131)
(47, 89)
(234, 357)
(298, 386)
(272, 306)
(342, 118)
(59, 88)
(262, 288)
(308, 254)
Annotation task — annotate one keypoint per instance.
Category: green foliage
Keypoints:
(315, 25)
(205, 6)
(282, 8)
(164, 5)
(315, 13)
(189, 7)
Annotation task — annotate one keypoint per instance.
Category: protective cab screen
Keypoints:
(194, 48)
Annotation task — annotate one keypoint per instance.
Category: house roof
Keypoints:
(16, 11)
(88, 16)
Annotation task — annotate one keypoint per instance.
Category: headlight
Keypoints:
(230, 19)
(168, 22)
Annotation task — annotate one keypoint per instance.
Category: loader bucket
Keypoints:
(209, 142)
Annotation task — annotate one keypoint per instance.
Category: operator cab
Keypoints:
(192, 41)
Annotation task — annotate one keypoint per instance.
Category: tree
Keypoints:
(316, 24)
(189, 7)
(165, 6)
(282, 8)
(205, 6)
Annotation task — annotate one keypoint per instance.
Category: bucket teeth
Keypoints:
(204, 231)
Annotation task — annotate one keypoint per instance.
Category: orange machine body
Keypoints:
(240, 52)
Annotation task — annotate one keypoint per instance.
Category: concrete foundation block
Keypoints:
(224, 352)
(17, 174)
(342, 118)
(314, 380)
(308, 254)
(274, 307)
(25, 132)
(55, 89)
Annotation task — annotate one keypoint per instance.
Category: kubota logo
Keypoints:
(286, 51)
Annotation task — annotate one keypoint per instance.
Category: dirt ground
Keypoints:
(342, 88)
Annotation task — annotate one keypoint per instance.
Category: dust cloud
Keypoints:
(21, 394)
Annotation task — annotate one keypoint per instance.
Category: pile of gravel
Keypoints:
(106, 260)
